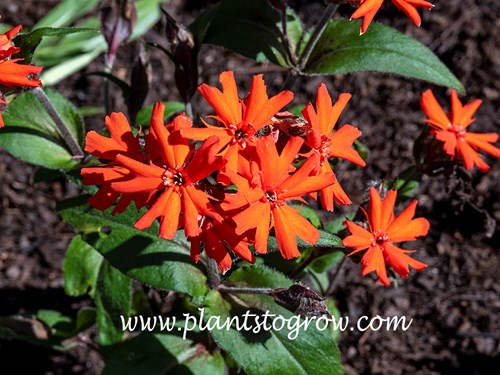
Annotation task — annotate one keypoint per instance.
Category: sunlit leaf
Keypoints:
(382, 49)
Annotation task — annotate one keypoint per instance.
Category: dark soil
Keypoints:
(454, 303)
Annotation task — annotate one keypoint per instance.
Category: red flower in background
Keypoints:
(452, 130)
(384, 229)
(326, 145)
(369, 8)
(263, 188)
(11, 72)
(240, 118)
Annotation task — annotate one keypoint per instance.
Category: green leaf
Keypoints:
(47, 327)
(36, 148)
(91, 111)
(332, 307)
(327, 240)
(337, 225)
(140, 303)
(250, 28)
(407, 183)
(64, 13)
(62, 326)
(296, 110)
(55, 50)
(85, 318)
(28, 42)
(53, 318)
(142, 255)
(326, 262)
(81, 267)
(161, 354)
(113, 299)
(382, 49)
(67, 67)
(278, 351)
(309, 214)
(27, 112)
(73, 53)
(171, 108)
(362, 150)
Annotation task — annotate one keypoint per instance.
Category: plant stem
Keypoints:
(213, 273)
(286, 39)
(108, 68)
(70, 140)
(234, 290)
(331, 288)
(189, 109)
(310, 258)
(318, 31)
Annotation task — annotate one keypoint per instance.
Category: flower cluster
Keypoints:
(12, 73)
(368, 8)
(230, 192)
(459, 143)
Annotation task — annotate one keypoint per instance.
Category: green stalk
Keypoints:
(63, 128)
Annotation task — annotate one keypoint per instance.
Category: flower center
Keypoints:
(379, 238)
(324, 150)
(172, 177)
(459, 130)
(242, 134)
(272, 197)
(239, 134)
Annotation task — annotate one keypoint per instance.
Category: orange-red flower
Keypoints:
(263, 189)
(240, 118)
(369, 8)
(452, 130)
(11, 72)
(122, 141)
(217, 238)
(174, 179)
(326, 145)
(384, 229)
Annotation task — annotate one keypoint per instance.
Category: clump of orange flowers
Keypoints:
(12, 73)
(229, 193)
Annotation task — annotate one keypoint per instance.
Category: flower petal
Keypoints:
(399, 261)
(368, 9)
(342, 141)
(434, 111)
(156, 210)
(373, 260)
(169, 218)
(14, 74)
(387, 211)
(405, 228)
(226, 104)
(285, 236)
(450, 141)
(359, 239)
(375, 210)
(470, 157)
(482, 142)
(205, 161)
(190, 212)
